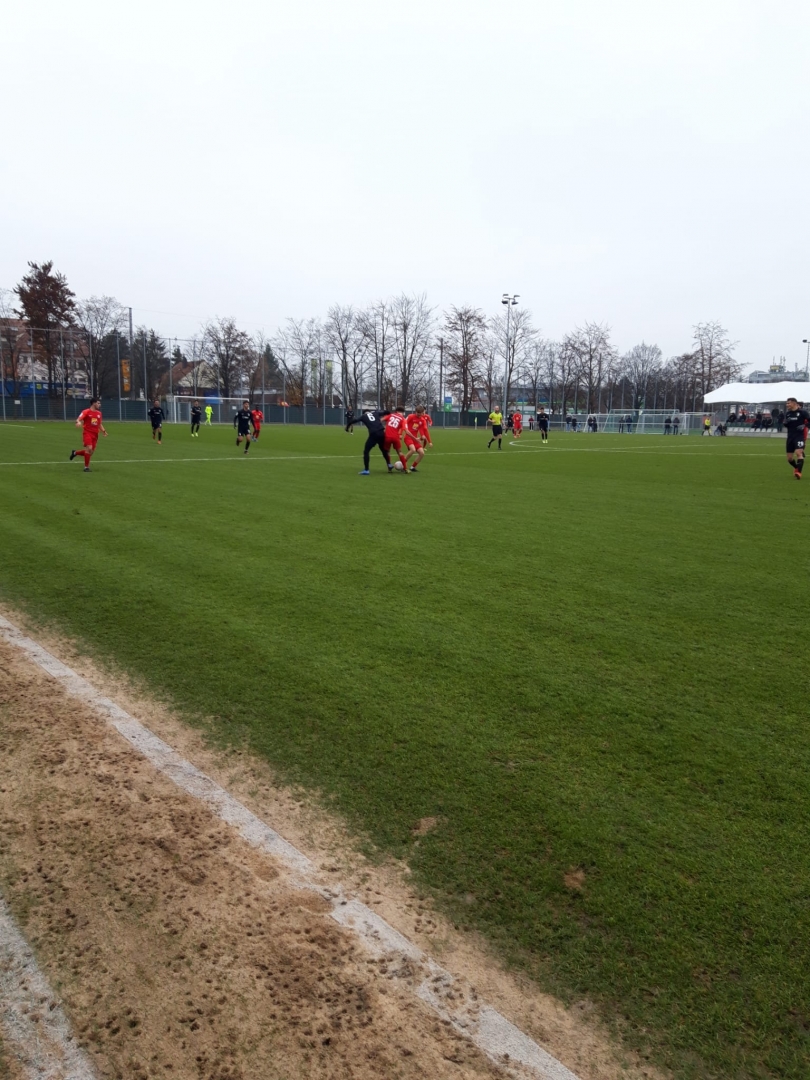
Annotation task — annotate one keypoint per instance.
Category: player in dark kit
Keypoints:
(796, 421)
(156, 417)
(196, 419)
(350, 420)
(373, 421)
(542, 424)
(242, 424)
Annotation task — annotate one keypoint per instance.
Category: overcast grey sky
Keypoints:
(636, 162)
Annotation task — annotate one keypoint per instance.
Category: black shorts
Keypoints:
(157, 427)
(795, 442)
(496, 431)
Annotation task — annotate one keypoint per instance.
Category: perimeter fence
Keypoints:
(219, 410)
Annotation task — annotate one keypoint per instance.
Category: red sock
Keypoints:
(404, 462)
(86, 457)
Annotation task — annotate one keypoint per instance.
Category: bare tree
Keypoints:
(492, 368)
(590, 351)
(713, 354)
(375, 325)
(226, 352)
(466, 329)
(297, 345)
(513, 336)
(412, 324)
(533, 371)
(641, 364)
(101, 318)
(13, 341)
(343, 333)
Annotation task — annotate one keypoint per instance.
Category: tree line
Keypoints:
(401, 350)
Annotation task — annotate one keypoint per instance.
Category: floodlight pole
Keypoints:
(509, 300)
(806, 341)
(33, 384)
(3, 372)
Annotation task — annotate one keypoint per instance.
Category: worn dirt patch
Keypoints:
(136, 898)
(574, 879)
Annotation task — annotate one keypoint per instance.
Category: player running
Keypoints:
(394, 430)
(156, 417)
(196, 418)
(90, 421)
(542, 424)
(209, 412)
(796, 421)
(517, 424)
(416, 432)
(242, 424)
(257, 419)
(372, 419)
(496, 419)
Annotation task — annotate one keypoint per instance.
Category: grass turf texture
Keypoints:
(585, 660)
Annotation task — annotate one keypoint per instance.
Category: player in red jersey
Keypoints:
(394, 430)
(257, 419)
(90, 421)
(415, 431)
(517, 424)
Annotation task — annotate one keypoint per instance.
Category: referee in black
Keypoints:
(373, 421)
(242, 424)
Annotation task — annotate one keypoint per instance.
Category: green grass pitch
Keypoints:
(588, 657)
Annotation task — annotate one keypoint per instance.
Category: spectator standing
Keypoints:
(629, 422)
(676, 424)
(667, 425)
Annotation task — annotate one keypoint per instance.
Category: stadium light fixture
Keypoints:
(509, 299)
(806, 341)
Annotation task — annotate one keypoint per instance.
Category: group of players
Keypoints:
(514, 423)
(388, 429)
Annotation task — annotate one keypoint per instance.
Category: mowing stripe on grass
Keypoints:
(649, 451)
(491, 1032)
(31, 1017)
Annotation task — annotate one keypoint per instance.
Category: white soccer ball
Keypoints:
(398, 466)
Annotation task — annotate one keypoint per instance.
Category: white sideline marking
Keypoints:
(491, 1032)
(31, 1018)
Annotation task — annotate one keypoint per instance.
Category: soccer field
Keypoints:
(584, 660)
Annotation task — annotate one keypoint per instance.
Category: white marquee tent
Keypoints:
(743, 393)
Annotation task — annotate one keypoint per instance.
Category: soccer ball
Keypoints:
(398, 466)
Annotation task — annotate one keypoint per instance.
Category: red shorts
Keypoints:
(394, 444)
(518, 428)
(89, 440)
(412, 442)
(257, 428)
